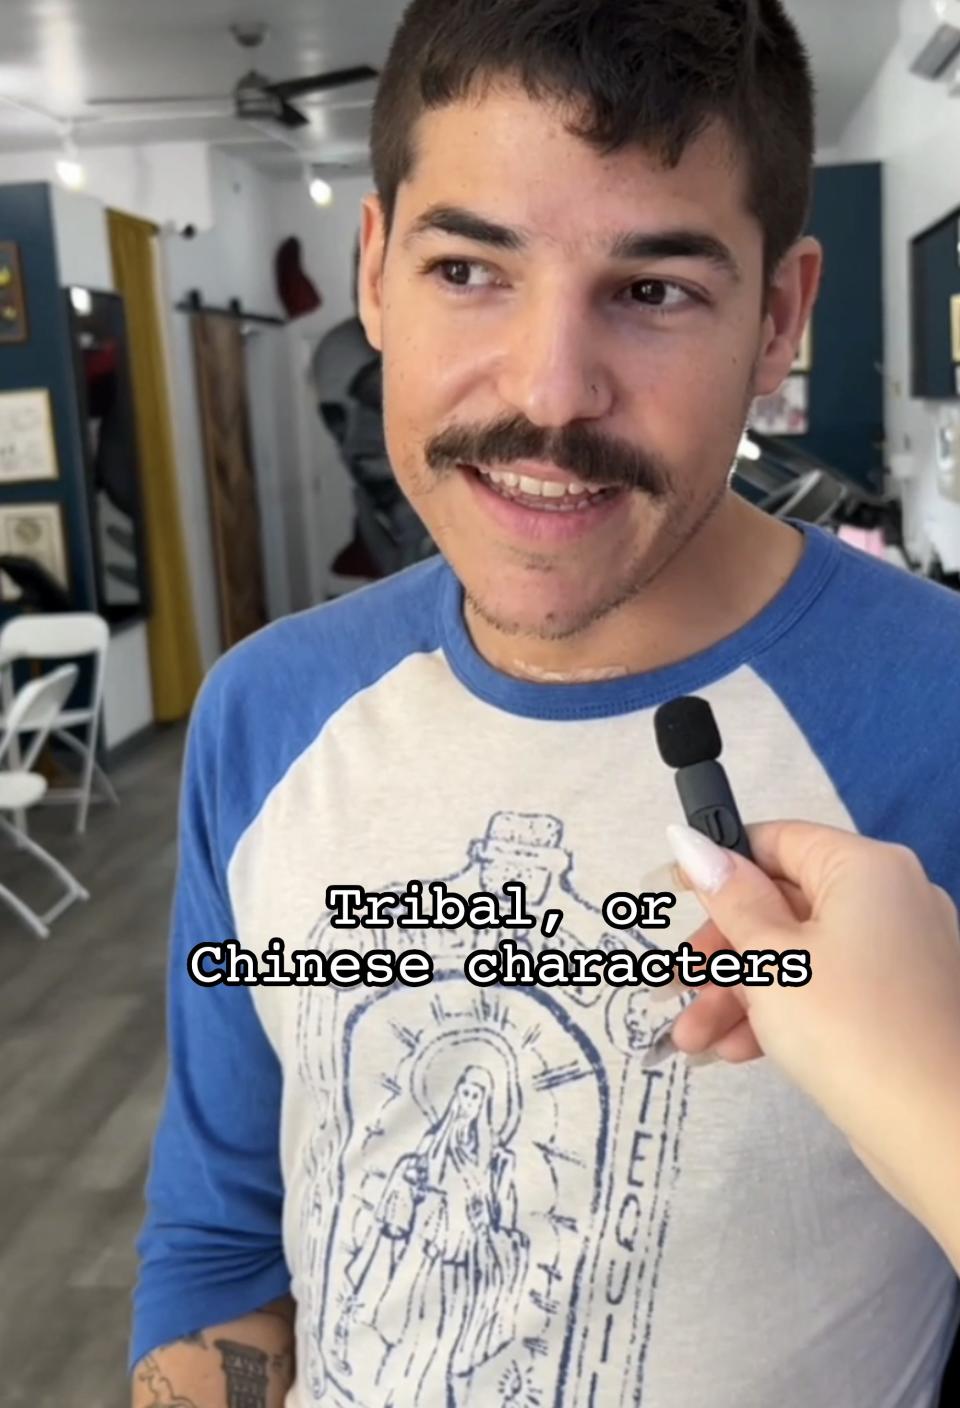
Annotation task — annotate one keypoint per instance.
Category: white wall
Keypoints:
(82, 241)
(233, 256)
(164, 182)
(913, 127)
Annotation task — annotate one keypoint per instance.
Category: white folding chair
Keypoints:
(35, 709)
(59, 636)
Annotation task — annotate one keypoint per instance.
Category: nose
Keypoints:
(553, 372)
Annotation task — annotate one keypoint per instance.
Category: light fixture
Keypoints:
(321, 193)
(81, 300)
(749, 450)
(70, 168)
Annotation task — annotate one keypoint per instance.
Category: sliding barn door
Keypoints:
(231, 478)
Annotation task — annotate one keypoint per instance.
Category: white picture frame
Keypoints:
(33, 530)
(28, 451)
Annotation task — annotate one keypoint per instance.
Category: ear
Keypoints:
(790, 300)
(370, 282)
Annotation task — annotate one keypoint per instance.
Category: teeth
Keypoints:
(531, 486)
(565, 503)
(539, 488)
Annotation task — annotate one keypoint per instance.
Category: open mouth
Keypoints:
(544, 495)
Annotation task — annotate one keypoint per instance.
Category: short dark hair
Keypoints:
(650, 72)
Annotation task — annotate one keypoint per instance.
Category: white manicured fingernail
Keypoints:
(706, 865)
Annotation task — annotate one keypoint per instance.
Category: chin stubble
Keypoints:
(673, 535)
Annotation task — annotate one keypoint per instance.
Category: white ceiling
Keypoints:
(60, 54)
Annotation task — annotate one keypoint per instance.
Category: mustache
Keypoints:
(591, 457)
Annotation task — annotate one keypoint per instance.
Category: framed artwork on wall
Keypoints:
(34, 531)
(28, 451)
(13, 307)
(785, 412)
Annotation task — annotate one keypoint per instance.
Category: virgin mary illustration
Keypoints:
(443, 1267)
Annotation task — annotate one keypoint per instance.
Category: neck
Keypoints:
(720, 579)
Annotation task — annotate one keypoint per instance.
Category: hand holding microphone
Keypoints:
(874, 1037)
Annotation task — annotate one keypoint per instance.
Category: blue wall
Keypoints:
(846, 383)
(46, 360)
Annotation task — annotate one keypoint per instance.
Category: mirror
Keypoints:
(105, 396)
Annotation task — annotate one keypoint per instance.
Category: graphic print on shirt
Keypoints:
(490, 1170)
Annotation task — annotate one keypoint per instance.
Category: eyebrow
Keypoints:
(637, 245)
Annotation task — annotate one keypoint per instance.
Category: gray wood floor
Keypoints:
(81, 1075)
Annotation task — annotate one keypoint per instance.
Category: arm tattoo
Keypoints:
(246, 1372)
(160, 1387)
(245, 1369)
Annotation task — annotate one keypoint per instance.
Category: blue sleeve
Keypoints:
(211, 1244)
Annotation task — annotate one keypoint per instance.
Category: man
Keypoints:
(584, 259)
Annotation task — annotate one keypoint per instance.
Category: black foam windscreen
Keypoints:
(687, 733)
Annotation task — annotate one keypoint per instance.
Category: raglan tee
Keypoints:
(480, 1197)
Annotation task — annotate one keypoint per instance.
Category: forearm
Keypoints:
(918, 1158)
(253, 1355)
(937, 1189)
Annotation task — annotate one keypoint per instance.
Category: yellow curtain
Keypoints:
(174, 653)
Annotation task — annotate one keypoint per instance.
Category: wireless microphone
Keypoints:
(689, 742)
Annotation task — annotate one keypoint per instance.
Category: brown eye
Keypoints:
(652, 292)
(661, 296)
(460, 275)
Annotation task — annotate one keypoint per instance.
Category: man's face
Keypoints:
(577, 322)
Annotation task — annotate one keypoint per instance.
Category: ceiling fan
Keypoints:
(254, 98)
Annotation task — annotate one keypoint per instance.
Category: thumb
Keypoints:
(746, 906)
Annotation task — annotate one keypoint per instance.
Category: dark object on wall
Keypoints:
(295, 289)
(13, 304)
(227, 445)
(935, 282)
(193, 303)
(348, 384)
(39, 591)
(105, 397)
